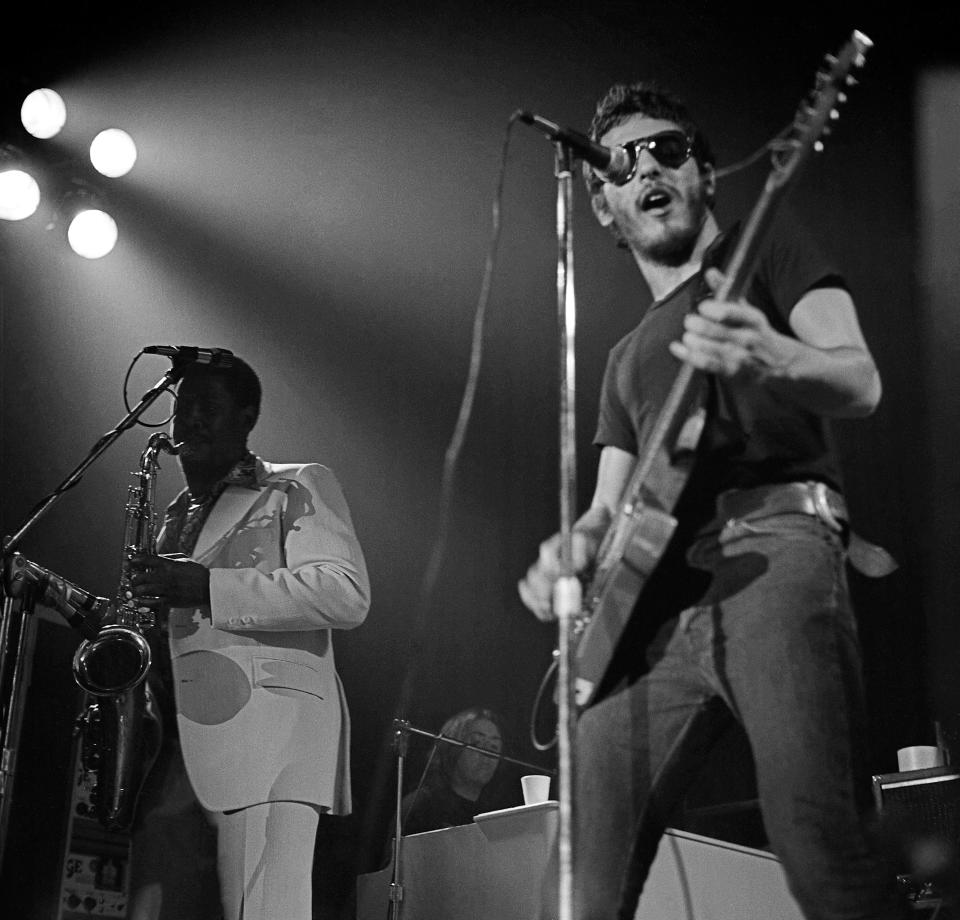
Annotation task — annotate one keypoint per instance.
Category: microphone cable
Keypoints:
(450, 464)
(455, 446)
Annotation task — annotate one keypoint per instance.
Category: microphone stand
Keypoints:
(407, 728)
(171, 377)
(396, 887)
(15, 654)
(402, 731)
(567, 590)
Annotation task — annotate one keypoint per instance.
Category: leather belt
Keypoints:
(816, 499)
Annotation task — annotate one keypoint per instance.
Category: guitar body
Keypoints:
(610, 603)
(631, 550)
(640, 532)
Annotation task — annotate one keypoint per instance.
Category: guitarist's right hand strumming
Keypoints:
(536, 588)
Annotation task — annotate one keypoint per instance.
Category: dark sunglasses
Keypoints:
(669, 148)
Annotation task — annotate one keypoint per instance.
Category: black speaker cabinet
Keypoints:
(920, 814)
(30, 874)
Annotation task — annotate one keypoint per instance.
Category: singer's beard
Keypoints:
(673, 245)
(673, 250)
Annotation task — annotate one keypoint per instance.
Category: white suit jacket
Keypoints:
(260, 708)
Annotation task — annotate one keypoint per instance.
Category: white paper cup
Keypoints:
(919, 757)
(536, 789)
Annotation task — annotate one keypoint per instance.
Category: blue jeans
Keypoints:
(772, 642)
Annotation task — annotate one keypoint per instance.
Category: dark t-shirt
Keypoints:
(436, 807)
(752, 436)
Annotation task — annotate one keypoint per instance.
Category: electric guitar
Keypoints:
(644, 524)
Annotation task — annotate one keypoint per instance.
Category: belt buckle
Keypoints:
(822, 507)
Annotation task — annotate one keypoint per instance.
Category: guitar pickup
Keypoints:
(653, 530)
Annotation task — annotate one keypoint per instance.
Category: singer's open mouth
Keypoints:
(654, 199)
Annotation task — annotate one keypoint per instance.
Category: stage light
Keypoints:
(43, 113)
(92, 233)
(19, 194)
(113, 153)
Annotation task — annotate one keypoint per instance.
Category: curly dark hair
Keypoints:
(644, 98)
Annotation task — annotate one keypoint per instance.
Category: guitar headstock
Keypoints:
(816, 113)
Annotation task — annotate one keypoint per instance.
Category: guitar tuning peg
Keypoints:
(834, 114)
(841, 98)
(851, 81)
(825, 130)
(830, 59)
(818, 147)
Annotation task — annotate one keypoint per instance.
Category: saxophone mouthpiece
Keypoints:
(158, 441)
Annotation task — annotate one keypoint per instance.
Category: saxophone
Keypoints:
(120, 728)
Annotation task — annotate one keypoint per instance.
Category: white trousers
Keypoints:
(264, 855)
(265, 861)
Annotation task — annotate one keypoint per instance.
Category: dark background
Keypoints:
(314, 192)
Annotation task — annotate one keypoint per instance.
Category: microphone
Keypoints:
(81, 609)
(615, 164)
(190, 354)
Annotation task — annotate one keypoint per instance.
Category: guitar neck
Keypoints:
(740, 265)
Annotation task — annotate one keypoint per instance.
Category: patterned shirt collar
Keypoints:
(187, 514)
(247, 472)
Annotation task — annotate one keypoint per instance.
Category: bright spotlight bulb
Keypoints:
(113, 153)
(92, 234)
(43, 113)
(19, 195)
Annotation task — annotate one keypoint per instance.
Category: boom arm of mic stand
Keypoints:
(407, 728)
(151, 396)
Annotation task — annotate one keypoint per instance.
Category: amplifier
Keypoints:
(920, 814)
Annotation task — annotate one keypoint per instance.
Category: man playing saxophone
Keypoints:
(256, 564)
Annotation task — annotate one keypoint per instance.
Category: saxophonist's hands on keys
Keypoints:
(169, 581)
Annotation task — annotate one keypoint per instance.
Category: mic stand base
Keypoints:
(396, 887)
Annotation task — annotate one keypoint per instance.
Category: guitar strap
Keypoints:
(725, 426)
(715, 257)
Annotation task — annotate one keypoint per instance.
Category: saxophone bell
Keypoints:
(115, 662)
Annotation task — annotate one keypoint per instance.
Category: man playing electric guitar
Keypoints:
(747, 613)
